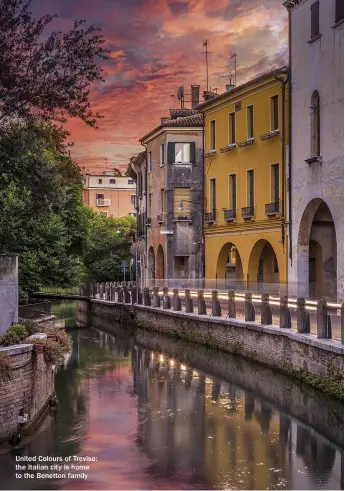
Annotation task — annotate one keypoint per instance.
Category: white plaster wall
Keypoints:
(317, 66)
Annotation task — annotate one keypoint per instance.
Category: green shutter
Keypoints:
(192, 153)
(171, 153)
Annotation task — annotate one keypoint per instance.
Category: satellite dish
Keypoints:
(180, 93)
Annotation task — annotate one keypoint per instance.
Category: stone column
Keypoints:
(284, 313)
(266, 311)
(303, 321)
(201, 303)
(189, 302)
(166, 299)
(249, 311)
(321, 319)
(156, 299)
(216, 309)
(176, 301)
(146, 297)
(231, 304)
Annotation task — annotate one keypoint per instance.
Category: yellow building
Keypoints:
(246, 131)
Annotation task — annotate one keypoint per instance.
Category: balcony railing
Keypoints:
(160, 218)
(102, 202)
(210, 216)
(248, 212)
(272, 208)
(148, 221)
(229, 215)
(269, 135)
(182, 217)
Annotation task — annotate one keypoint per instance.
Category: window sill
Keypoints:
(311, 160)
(182, 163)
(314, 38)
(338, 23)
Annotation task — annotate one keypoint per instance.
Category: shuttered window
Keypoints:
(275, 183)
(232, 193)
(339, 10)
(250, 188)
(232, 128)
(213, 197)
(181, 153)
(250, 121)
(182, 198)
(274, 113)
(212, 135)
(315, 25)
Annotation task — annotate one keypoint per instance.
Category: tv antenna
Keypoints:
(232, 78)
(235, 62)
(206, 56)
(180, 95)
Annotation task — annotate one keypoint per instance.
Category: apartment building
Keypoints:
(246, 132)
(110, 195)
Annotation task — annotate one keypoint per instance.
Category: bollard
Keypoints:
(342, 323)
(201, 303)
(176, 300)
(303, 320)
(147, 297)
(231, 304)
(126, 295)
(216, 309)
(249, 311)
(266, 311)
(284, 313)
(189, 308)
(321, 319)
(166, 299)
(156, 299)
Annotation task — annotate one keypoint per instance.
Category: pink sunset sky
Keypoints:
(156, 46)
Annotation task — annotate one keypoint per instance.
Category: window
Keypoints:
(99, 196)
(315, 124)
(274, 113)
(275, 183)
(130, 181)
(250, 188)
(213, 135)
(162, 156)
(250, 121)
(150, 162)
(232, 193)
(182, 203)
(149, 205)
(232, 128)
(162, 201)
(100, 181)
(182, 153)
(104, 213)
(112, 181)
(133, 199)
(339, 10)
(315, 25)
(213, 197)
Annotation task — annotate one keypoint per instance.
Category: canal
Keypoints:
(157, 413)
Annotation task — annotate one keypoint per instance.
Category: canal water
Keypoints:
(157, 413)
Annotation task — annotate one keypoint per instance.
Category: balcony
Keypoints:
(248, 212)
(247, 142)
(182, 217)
(272, 209)
(229, 215)
(148, 221)
(160, 218)
(103, 202)
(229, 148)
(210, 217)
(271, 134)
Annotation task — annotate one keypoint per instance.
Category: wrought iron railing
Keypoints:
(229, 215)
(149, 221)
(160, 218)
(248, 212)
(210, 216)
(182, 217)
(103, 202)
(34, 310)
(272, 208)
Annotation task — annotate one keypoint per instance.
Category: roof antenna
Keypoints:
(231, 57)
(206, 55)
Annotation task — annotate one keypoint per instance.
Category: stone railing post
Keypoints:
(126, 295)
(231, 304)
(189, 308)
(266, 311)
(156, 298)
(321, 319)
(166, 298)
(249, 311)
(106, 289)
(216, 308)
(342, 323)
(303, 320)
(134, 295)
(201, 303)
(284, 313)
(146, 297)
(119, 294)
(176, 301)
(101, 291)
(98, 290)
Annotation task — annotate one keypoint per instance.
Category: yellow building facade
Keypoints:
(246, 132)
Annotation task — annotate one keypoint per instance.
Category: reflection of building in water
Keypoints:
(217, 432)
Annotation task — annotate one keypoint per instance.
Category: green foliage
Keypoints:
(5, 365)
(53, 351)
(61, 337)
(32, 327)
(14, 335)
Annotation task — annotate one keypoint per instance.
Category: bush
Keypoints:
(60, 337)
(4, 367)
(14, 335)
(32, 327)
(20, 330)
(52, 350)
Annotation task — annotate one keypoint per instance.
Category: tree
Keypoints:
(117, 173)
(42, 75)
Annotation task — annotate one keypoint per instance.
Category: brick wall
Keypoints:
(30, 386)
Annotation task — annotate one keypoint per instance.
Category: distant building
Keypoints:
(316, 263)
(110, 195)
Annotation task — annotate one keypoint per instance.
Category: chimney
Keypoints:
(208, 95)
(229, 87)
(195, 95)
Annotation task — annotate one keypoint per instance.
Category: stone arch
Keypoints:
(317, 252)
(160, 263)
(151, 264)
(229, 267)
(263, 268)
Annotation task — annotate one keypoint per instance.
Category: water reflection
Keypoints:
(155, 421)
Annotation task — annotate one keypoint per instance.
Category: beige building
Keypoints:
(110, 195)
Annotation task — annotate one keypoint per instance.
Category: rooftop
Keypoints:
(193, 119)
